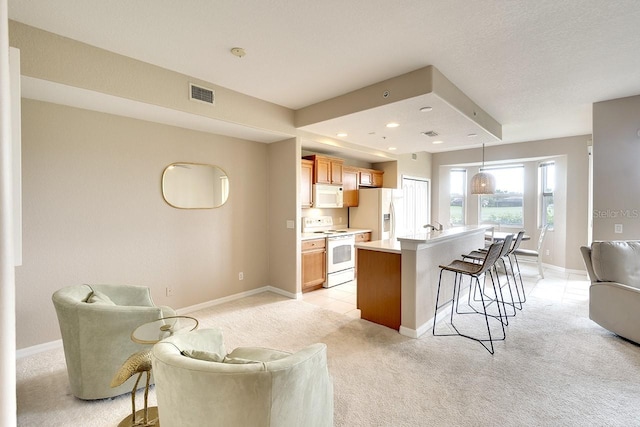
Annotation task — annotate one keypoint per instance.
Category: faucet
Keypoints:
(434, 227)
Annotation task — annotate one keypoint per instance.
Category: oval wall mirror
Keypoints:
(194, 186)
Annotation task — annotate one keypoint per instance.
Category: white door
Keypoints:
(417, 204)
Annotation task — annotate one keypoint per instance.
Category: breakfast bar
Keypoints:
(398, 278)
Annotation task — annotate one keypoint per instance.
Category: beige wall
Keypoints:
(571, 198)
(94, 213)
(283, 245)
(616, 150)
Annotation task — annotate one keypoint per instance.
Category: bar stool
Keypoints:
(474, 271)
(478, 256)
(511, 256)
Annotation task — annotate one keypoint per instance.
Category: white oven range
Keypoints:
(340, 244)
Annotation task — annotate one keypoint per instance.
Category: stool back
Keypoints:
(506, 246)
(516, 243)
(493, 253)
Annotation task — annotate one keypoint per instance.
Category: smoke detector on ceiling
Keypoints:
(238, 51)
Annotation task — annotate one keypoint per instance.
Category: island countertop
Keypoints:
(421, 239)
(427, 239)
(389, 245)
(398, 278)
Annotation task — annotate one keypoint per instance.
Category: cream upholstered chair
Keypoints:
(96, 322)
(614, 294)
(198, 384)
(534, 254)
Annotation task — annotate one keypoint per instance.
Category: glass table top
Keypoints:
(157, 330)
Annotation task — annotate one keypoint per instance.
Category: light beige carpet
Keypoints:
(556, 368)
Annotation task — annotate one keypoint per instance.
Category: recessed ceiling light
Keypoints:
(392, 148)
(426, 109)
(437, 142)
(342, 134)
(472, 135)
(393, 125)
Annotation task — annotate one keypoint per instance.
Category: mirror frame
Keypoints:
(174, 164)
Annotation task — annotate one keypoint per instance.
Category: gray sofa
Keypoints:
(96, 323)
(614, 294)
(199, 384)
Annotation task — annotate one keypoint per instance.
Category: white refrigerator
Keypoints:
(380, 210)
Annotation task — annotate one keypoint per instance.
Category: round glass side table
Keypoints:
(157, 330)
(140, 362)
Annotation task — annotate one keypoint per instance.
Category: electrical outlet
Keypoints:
(617, 228)
(241, 276)
(169, 291)
(547, 252)
(340, 220)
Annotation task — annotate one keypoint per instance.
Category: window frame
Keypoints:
(544, 195)
(482, 198)
(463, 195)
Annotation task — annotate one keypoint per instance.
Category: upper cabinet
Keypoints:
(350, 177)
(318, 169)
(306, 183)
(326, 170)
(370, 178)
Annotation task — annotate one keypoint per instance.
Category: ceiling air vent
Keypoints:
(430, 133)
(202, 94)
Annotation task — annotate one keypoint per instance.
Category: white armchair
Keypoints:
(198, 383)
(614, 294)
(96, 322)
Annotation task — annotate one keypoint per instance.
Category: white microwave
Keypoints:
(327, 196)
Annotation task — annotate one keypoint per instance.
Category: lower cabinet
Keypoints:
(361, 237)
(314, 270)
(379, 287)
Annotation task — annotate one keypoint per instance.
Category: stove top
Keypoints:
(320, 225)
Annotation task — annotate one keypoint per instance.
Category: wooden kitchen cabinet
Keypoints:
(361, 237)
(379, 287)
(377, 178)
(350, 176)
(306, 183)
(370, 178)
(314, 270)
(326, 170)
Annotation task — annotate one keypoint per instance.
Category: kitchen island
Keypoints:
(398, 278)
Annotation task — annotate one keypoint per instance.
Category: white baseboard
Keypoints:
(212, 303)
(427, 326)
(57, 344)
(30, 351)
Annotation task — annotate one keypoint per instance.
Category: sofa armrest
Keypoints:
(614, 306)
(586, 255)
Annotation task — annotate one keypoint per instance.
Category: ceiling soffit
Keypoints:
(364, 113)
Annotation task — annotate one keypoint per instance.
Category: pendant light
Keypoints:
(483, 182)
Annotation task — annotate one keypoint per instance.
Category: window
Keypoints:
(457, 186)
(547, 186)
(505, 206)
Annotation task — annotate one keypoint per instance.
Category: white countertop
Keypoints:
(426, 238)
(389, 245)
(434, 237)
